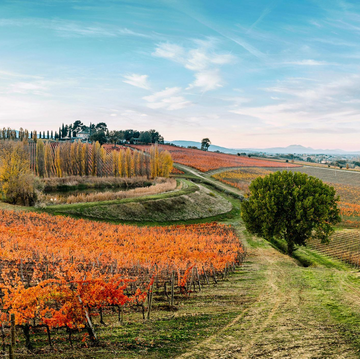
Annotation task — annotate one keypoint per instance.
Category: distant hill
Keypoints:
(293, 149)
(298, 149)
(211, 148)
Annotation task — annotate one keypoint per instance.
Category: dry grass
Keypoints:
(159, 187)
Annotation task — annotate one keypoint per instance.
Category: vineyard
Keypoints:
(205, 161)
(60, 273)
(344, 245)
(241, 178)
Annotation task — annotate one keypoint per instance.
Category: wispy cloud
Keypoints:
(206, 80)
(329, 103)
(203, 60)
(170, 51)
(308, 62)
(37, 88)
(137, 80)
(10, 74)
(168, 99)
(224, 32)
(66, 28)
(263, 14)
(33, 85)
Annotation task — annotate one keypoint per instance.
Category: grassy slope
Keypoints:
(192, 203)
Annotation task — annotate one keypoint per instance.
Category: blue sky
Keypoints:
(258, 73)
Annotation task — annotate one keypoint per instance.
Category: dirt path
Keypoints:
(207, 178)
(285, 321)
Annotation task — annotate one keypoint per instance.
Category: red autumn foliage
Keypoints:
(55, 269)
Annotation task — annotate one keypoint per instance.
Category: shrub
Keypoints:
(17, 183)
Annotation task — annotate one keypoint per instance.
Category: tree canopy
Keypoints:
(291, 206)
(205, 144)
(99, 136)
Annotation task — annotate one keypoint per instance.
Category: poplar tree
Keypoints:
(40, 158)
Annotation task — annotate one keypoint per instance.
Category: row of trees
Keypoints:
(20, 162)
(84, 159)
(102, 134)
(92, 133)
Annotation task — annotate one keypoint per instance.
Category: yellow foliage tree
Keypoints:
(95, 158)
(58, 162)
(17, 183)
(154, 161)
(128, 163)
(121, 163)
(166, 163)
(40, 158)
(49, 159)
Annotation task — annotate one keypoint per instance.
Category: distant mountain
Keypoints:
(293, 149)
(211, 148)
(298, 149)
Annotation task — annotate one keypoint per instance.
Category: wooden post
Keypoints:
(150, 296)
(12, 340)
(165, 292)
(21, 271)
(191, 279)
(206, 277)
(214, 273)
(121, 315)
(172, 288)
(198, 278)
(3, 337)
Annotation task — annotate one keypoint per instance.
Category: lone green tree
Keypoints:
(205, 144)
(291, 206)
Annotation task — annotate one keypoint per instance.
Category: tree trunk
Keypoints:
(290, 247)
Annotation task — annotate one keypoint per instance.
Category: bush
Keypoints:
(18, 185)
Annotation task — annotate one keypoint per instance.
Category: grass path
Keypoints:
(207, 179)
(297, 312)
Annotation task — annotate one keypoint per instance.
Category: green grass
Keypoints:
(308, 257)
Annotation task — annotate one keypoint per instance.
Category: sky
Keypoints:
(245, 74)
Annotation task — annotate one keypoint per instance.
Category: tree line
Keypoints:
(23, 162)
(91, 133)
(85, 159)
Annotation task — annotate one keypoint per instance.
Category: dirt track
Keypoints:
(286, 319)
